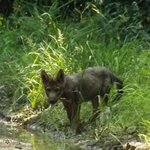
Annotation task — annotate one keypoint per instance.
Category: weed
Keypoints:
(31, 44)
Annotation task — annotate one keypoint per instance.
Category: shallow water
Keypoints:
(27, 139)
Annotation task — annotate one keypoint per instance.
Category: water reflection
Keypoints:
(31, 140)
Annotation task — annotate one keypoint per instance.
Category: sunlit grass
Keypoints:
(50, 45)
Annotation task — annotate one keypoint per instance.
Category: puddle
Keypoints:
(25, 139)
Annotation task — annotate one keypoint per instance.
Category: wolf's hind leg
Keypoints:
(104, 101)
(104, 96)
(95, 105)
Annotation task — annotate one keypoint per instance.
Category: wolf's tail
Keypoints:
(119, 85)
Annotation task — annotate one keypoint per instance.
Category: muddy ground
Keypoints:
(78, 142)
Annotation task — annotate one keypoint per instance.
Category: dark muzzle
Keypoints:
(52, 100)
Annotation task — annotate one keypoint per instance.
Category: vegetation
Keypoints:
(44, 40)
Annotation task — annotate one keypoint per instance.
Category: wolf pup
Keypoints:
(80, 87)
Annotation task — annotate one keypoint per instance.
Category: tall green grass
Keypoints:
(40, 42)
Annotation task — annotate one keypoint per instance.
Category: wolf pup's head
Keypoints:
(53, 85)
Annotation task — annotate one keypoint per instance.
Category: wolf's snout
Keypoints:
(52, 100)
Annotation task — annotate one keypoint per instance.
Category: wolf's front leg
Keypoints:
(73, 113)
(68, 107)
(75, 119)
(95, 105)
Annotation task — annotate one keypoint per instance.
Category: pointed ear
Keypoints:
(44, 77)
(60, 76)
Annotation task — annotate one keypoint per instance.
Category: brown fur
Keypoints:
(74, 89)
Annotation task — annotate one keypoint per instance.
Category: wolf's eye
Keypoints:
(48, 89)
(57, 89)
